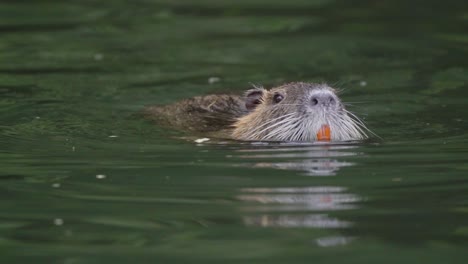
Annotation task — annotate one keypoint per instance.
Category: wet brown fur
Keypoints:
(228, 116)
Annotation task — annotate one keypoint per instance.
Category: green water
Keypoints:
(84, 180)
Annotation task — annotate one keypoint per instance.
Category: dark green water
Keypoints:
(85, 181)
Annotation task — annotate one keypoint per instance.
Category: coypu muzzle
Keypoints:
(297, 112)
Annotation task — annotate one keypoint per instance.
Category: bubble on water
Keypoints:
(213, 80)
(333, 241)
(98, 56)
(100, 176)
(58, 221)
(201, 140)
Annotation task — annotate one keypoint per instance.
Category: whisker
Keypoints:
(341, 90)
(277, 130)
(359, 102)
(256, 131)
(256, 86)
(274, 125)
(361, 123)
(280, 130)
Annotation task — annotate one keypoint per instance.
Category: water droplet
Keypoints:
(98, 56)
(58, 221)
(213, 80)
(201, 140)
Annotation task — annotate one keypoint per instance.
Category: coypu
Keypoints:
(290, 112)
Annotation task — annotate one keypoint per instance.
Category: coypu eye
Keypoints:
(277, 98)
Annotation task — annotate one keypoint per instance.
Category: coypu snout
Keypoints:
(323, 98)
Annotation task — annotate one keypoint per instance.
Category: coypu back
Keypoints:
(210, 113)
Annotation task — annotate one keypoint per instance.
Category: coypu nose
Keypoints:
(323, 99)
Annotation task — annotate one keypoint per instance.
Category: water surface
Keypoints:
(86, 181)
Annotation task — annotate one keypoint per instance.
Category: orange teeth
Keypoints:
(324, 133)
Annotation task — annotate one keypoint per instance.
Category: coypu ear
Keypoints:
(253, 97)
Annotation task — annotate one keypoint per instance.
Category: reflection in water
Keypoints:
(314, 160)
(303, 207)
(319, 167)
(299, 199)
(312, 220)
(333, 241)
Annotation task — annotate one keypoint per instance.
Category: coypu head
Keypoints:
(296, 112)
